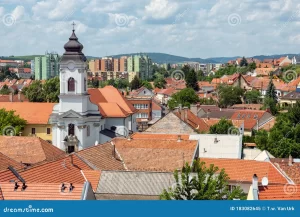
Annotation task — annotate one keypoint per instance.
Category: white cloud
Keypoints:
(160, 9)
(18, 12)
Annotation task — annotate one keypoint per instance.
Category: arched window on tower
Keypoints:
(71, 85)
(84, 84)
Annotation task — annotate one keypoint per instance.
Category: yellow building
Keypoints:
(37, 117)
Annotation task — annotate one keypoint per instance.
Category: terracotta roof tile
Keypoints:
(29, 150)
(92, 176)
(155, 155)
(33, 113)
(194, 121)
(111, 103)
(67, 169)
(243, 170)
(7, 175)
(101, 157)
(5, 162)
(279, 192)
(159, 136)
(41, 191)
(292, 171)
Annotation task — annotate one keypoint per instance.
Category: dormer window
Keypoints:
(71, 85)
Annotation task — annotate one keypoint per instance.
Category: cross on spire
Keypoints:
(73, 24)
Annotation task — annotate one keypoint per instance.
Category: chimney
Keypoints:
(19, 96)
(10, 97)
(71, 159)
(113, 149)
(255, 182)
(179, 138)
(290, 160)
(176, 109)
(194, 109)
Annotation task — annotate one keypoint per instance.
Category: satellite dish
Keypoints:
(265, 181)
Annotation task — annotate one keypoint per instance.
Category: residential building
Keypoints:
(106, 64)
(46, 66)
(291, 98)
(36, 115)
(141, 65)
(116, 66)
(9, 63)
(94, 66)
(24, 73)
(296, 60)
(32, 67)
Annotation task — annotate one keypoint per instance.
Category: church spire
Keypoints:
(73, 45)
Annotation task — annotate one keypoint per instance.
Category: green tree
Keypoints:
(252, 96)
(159, 81)
(186, 69)
(222, 127)
(270, 104)
(51, 90)
(252, 66)
(191, 80)
(243, 62)
(147, 85)
(271, 93)
(10, 123)
(185, 97)
(199, 182)
(35, 93)
(5, 90)
(135, 83)
(261, 139)
(229, 95)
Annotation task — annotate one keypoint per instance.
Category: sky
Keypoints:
(189, 28)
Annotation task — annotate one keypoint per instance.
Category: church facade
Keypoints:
(76, 122)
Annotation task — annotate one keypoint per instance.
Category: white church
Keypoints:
(76, 121)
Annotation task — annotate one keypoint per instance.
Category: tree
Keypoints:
(201, 182)
(229, 95)
(222, 127)
(147, 85)
(261, 139)
(243, 62)
(252, 96)
(5, 90)
(135, 83)
(34, 93)
(51, 90)
(159, 81)
(271, 93)
(191, 80)
(185, 97)
(186, 69)
(10, 124)
(270, 103)
(252, 66)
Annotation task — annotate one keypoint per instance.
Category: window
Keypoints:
(84, 84)
(48, 131)
(142, 115)
(71, 130)
(71, 85)
(32, 131)
(88, 130)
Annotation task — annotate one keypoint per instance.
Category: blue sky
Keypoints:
(190, 28)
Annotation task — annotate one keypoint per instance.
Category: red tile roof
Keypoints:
(33, 113)
(92, 176)
(111, 103)
(101, 157)
(5, 162)
(250, 117)
(243, 170)
(279, 192)
(67, 169)
(29, 150)
(159, 136)
(155, 155)
(192, 120)
(292, 171)
(155, 106)
(41, 191)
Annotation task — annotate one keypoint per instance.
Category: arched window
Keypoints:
(88, 131)
(84, 84)
(71, 130)
(71, 85)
